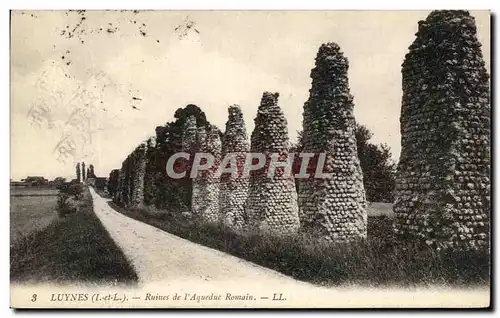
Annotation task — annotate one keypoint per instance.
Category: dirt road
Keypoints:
(159, 256)
(168, 264)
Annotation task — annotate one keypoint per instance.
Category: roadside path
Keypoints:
(160, 256)
(166, 263)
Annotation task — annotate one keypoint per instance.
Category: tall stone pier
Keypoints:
(189, 135)
(150, 171)
(119, 196)
(442, 196)
(234, 188)
(189, 145)
(138, 158)
(333, 208)
(205, 198)
(272, 201)
(123, 193)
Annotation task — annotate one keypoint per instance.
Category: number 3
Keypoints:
(33, 298)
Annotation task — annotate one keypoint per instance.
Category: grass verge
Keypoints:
(73, 248)
(377, 261)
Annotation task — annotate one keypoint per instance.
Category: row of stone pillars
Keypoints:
(333, 208)
(442, 195)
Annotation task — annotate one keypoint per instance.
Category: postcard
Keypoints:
(250, 159)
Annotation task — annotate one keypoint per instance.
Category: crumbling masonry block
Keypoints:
(442, 195)
(333, 208)
(272, 201)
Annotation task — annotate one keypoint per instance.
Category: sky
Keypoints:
(90, 86)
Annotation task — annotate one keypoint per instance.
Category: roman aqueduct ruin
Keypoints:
(442, 195)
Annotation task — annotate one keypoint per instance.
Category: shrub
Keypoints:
(66, 190)
(76, 190)
(63, 206)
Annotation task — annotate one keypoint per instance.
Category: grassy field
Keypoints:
(70, 249)
(31, 210)
(378, 261)
(32, 191)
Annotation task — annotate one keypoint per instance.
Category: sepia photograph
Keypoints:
(250, 159)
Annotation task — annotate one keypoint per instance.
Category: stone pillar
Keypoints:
(189, 137)
(150, 171)
(123, 189)
(198, 202)
(189, 145)
(205, 199)
(128, 181)
(272, 201)
(118, 197)
(442, 195)
(234, 189)
(333, 208)
(139, 170)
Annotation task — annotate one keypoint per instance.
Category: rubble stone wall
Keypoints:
(122, 196)
(189, 135)
(443, 183)
(234, 189)
(118, 197)
(272, 201)
(189, 145)
(205, 198)
(138, 173)
(150, 172)
(334, 208)
(130, 187)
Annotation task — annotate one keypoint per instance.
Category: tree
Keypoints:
(90, 172)
(83, 172)
(76, 190)
(100, 183)
(161, 190)
(58, 181)
(113, 181)
(377, 165)
(78, 172)
(169, 193)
